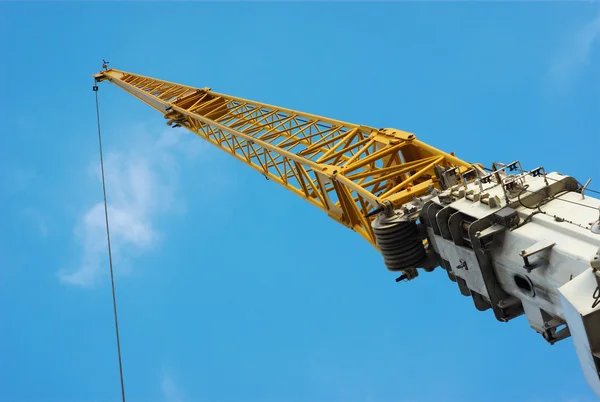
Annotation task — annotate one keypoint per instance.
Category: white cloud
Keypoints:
(142, 181)
(575, 52)
(171, 391)
(37, 219)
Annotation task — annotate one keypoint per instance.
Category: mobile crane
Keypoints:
(516, 241)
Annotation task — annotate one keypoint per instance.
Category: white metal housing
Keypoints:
(520, 243)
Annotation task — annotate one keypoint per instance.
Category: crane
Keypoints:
(516, 241)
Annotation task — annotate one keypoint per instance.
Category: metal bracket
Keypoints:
(504, 306)
(587, 183)
(407, 275)
(552, 336)
(535, 249)
(447, 177)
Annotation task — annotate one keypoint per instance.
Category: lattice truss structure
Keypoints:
(346, 170)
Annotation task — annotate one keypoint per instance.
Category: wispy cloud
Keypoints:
(575, 52)
(142, 182)
(171, 391)
(37, 219)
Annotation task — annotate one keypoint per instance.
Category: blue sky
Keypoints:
(219, 298)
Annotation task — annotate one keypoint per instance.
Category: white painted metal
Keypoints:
(556, 288)
(584, 323)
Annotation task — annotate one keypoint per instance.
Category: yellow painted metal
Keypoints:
(345, 169)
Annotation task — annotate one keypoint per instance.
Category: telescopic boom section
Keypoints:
(347, 170)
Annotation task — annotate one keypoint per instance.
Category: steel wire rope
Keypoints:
(110, 260)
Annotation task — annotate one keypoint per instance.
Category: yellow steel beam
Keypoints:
(345, 169)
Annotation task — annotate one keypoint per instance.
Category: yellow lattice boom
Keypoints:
(347, 170)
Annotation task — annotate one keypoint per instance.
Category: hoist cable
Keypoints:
(112, 277)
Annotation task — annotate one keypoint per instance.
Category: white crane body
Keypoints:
(524, 243)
